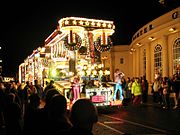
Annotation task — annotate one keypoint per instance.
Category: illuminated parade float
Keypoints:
(72, 57)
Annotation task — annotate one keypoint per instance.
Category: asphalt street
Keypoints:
(144, 119)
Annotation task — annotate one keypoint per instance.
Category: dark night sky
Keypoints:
(26, 25)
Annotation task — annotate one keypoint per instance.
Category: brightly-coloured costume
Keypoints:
(118, 86)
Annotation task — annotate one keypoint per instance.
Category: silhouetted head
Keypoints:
(83, 112)
(50, 93)
(57, 106)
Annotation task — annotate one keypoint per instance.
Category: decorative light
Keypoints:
(37, 55)
(94, 72)
(109, 25)
(71, 73)
(98, 24)
(43, 49)
(82, 73)
(87, 23)
(85, 67)
(100, 72)
(66, 22)
(93, 24)
(99, 66)
(54, 72)
(92, 67)
(103, 47)
(81, 22)
(104, 24)
(88, 72)
(107, 72)
(72, 41)
(74, 22)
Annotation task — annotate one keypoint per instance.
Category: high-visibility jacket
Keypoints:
(136, 88)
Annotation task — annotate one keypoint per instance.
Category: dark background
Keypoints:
(26, 24)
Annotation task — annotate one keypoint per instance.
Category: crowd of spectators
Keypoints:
(22, 112)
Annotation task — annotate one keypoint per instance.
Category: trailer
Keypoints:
(74, 49)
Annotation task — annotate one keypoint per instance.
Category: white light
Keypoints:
(93, 24)
(172, 29)
(66, 22)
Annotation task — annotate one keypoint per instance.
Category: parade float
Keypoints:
(72, 58)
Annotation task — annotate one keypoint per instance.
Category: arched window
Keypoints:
(158, 59)
(144, 61)
(176, 56)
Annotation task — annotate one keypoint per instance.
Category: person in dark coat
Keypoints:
(13, 116)
(83, 116)
(58, 121)
(31, 115)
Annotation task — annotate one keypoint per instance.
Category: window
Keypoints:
(176, 56)
(158, 59)
(141, 32)
(150, 27)
(145, 30)
(121, 60)
(137, 35)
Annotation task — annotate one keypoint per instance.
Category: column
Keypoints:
(165, 58)
(137, 62)
(148, 63)
(134, 63)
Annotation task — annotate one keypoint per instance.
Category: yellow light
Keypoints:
(98, 24)
(87, 23)
(138, 44)
(99, 66)
(74, 22)
(172, 29)
(100, 72)
(92, 67)
(109, 25)
(88, 72)
(94, 72)
(93, 24)
(81, 22)
(54, 73)
(151, 38)
(104, 24)
(85, 67)
(89, 65)
(107, 72)
(71, 73)
(113, 26)
(43, 49)
(66, 22)
(82, 73)
(37, 55)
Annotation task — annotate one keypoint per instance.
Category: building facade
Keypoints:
(155, 48)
